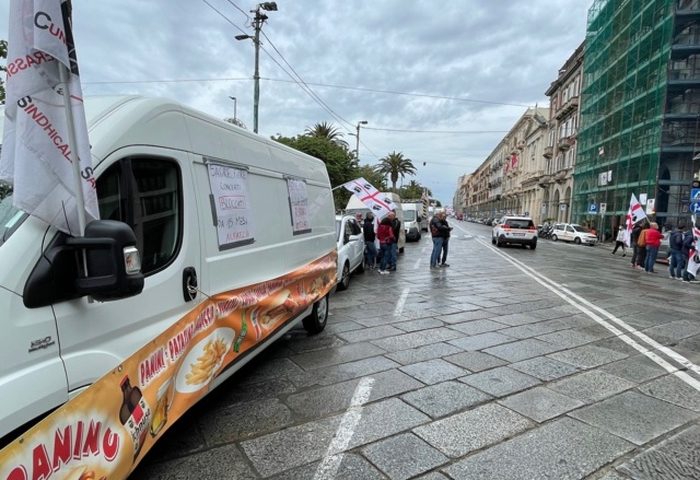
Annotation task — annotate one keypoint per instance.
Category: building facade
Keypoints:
(560, 152)
(505, 182)
(640, 110)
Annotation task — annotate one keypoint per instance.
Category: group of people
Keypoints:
(645, 240)
(388, 232)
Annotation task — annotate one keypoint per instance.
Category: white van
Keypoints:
(414, 223)
(355, 205)
(214, 209)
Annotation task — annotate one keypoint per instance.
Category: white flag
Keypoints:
(36, 155)
(634, 215)
(694, 255)
(379, 203)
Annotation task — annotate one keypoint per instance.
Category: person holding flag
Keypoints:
(633, 229)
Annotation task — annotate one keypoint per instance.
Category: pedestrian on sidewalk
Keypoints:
(396, 228)
(446, 230)
(676, 263)
(385, 234)
(634, 237)
(652, 239)
(688, 241)
(440, 231)
(620, 241)
(642, 244)
(370, 237)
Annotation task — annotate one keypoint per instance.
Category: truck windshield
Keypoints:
(10, 218)
(409, 215)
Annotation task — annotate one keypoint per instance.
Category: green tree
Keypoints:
(396, 165)
(369, 173)
(339, 162)
(327, 131)
(3, 68)
(412, 191)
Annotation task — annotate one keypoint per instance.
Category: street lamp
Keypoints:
(258, 21)
(235, 102)
(357, 138)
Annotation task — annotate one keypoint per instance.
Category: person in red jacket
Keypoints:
(653, 241)
(385, 235)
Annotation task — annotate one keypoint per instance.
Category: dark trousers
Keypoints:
(619, 244)
(641, 256)
(445, 242)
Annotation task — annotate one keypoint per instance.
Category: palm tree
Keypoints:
(327, 131)
(395, 165)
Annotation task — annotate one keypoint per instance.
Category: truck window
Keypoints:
(145, 193)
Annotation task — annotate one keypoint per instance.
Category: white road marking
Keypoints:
(401, 302)
(417, 264)
(569, 296)
(331, 461)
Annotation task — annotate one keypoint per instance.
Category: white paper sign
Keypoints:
(643, 198)
(299, 206)
(650, 206)
(231, 205)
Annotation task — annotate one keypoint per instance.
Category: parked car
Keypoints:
(351, 249)
(572, 232)
(516, 230)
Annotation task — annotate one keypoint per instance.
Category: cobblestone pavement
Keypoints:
(509, 364)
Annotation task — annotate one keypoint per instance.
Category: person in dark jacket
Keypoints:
(370, 237)
(446, 229)
(676, 263)
(634, 236)
(440, 230)
(396, 228)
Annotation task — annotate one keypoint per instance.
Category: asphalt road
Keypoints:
(560, 363)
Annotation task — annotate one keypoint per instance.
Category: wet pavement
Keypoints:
(558, 363)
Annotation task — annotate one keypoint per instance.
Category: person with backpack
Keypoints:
(676, 263)
(642, 247)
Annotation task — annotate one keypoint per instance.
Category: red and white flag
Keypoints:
(634, 215)
(694, 255)
(37, 156)
(379, 203)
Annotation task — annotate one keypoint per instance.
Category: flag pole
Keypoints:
(75, 161)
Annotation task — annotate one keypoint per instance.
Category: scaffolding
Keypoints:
(626, 72)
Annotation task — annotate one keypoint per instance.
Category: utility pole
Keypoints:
(357, 139)
(258, 22)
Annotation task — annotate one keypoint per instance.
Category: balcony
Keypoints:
(684, 76)
(688, 6)
(569, 106)
(545, 181)
(565, 143)
(548, 151)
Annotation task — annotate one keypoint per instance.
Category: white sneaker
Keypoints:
(383, 272)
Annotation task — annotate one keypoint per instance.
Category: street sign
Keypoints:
(603, 207)
(694, 194)
(593, 208)
(694, 207)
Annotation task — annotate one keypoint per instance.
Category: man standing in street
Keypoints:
(370, 247)
(445, 238)
(440, 231)
(676, 263)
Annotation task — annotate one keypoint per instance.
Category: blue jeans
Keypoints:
(445, 243)
(394, 254)
(385, 254)
(677, 264)
(651, 258)
(370, 254)
(437, 248)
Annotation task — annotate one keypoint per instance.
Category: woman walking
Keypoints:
(620, 241)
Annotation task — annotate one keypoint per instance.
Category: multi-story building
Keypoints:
(496, 187)
(560, 151)
(640, 111)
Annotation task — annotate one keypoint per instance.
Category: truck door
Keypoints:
(152, 190)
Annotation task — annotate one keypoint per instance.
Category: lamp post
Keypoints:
(258, 21)
(235, 102)
(357, 139)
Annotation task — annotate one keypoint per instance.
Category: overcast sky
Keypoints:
(475, 52)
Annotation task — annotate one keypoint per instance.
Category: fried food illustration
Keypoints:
(202, 369)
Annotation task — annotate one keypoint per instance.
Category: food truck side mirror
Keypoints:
(113, 265)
